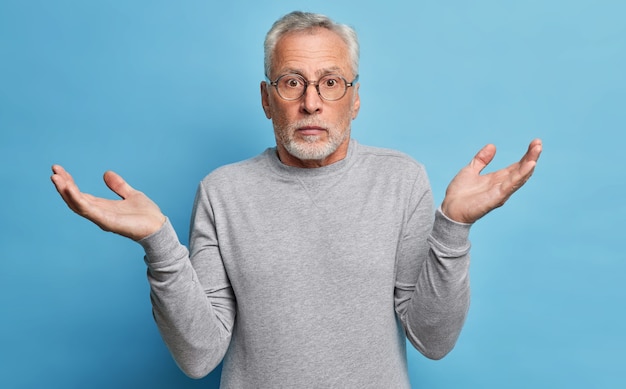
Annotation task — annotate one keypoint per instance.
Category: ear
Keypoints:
(265, 100)
(356, 104)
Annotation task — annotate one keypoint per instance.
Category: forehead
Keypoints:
(311, 52)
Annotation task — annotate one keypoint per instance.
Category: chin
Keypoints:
(310, 151)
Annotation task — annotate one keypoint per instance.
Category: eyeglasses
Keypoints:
(330, 87)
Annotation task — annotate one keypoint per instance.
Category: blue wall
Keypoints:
(164, 92)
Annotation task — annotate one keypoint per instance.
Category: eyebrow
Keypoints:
(319, 73)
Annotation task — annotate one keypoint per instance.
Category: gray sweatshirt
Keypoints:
(311, 278)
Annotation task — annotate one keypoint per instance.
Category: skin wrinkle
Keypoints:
(319, 74)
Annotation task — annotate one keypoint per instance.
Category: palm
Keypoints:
(470, 195)
(134, 216)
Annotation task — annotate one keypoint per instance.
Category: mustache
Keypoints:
(308, 122)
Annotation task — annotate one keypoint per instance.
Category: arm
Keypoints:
(194, 316)
(432, 279)
(195, 321)
(434, 307)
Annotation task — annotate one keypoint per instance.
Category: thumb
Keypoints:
(483, 157)
(116, 183)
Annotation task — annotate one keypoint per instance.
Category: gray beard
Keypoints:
(305, 148)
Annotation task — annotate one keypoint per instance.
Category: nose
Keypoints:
(311, 101)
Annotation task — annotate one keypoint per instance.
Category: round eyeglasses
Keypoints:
(330, 87)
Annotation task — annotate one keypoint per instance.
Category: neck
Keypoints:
(335, 156)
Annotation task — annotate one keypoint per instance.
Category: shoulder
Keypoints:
(388, 160)
(243, 172)
(397, 176)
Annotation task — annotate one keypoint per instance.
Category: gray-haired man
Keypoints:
(310, 264)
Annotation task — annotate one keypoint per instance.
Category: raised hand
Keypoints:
(470, 195)
(135, 216)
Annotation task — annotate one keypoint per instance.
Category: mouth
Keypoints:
(310, 130)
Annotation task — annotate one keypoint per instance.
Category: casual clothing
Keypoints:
(307, 278)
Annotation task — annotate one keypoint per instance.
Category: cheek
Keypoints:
(281, 114)
(345, 114)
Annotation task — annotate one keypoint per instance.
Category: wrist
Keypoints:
(448, 210)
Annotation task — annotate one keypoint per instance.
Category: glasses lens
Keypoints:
(332, 87)
(291, 86)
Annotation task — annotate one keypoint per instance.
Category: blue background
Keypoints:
(164, 92)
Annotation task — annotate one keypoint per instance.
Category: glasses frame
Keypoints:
(314, 83)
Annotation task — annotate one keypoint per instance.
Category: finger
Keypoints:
(65, 185)
(73, 197)
(529, 160)
(483, 158)
(58, 169)
(521, 172)
(534, 151)
(116, 183)
(61, 175)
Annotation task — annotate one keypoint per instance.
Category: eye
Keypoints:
(292, 82)
(331, 82)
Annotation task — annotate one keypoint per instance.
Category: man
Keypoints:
(310, 264)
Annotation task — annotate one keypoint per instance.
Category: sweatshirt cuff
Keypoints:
(162, 245)
(451, 236)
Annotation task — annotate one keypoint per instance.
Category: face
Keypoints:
(310, 131)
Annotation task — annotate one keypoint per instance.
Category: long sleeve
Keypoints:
(323, 262)
(432, 281)
(195, 319)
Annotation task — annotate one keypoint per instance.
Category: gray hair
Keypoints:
(303, 21)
